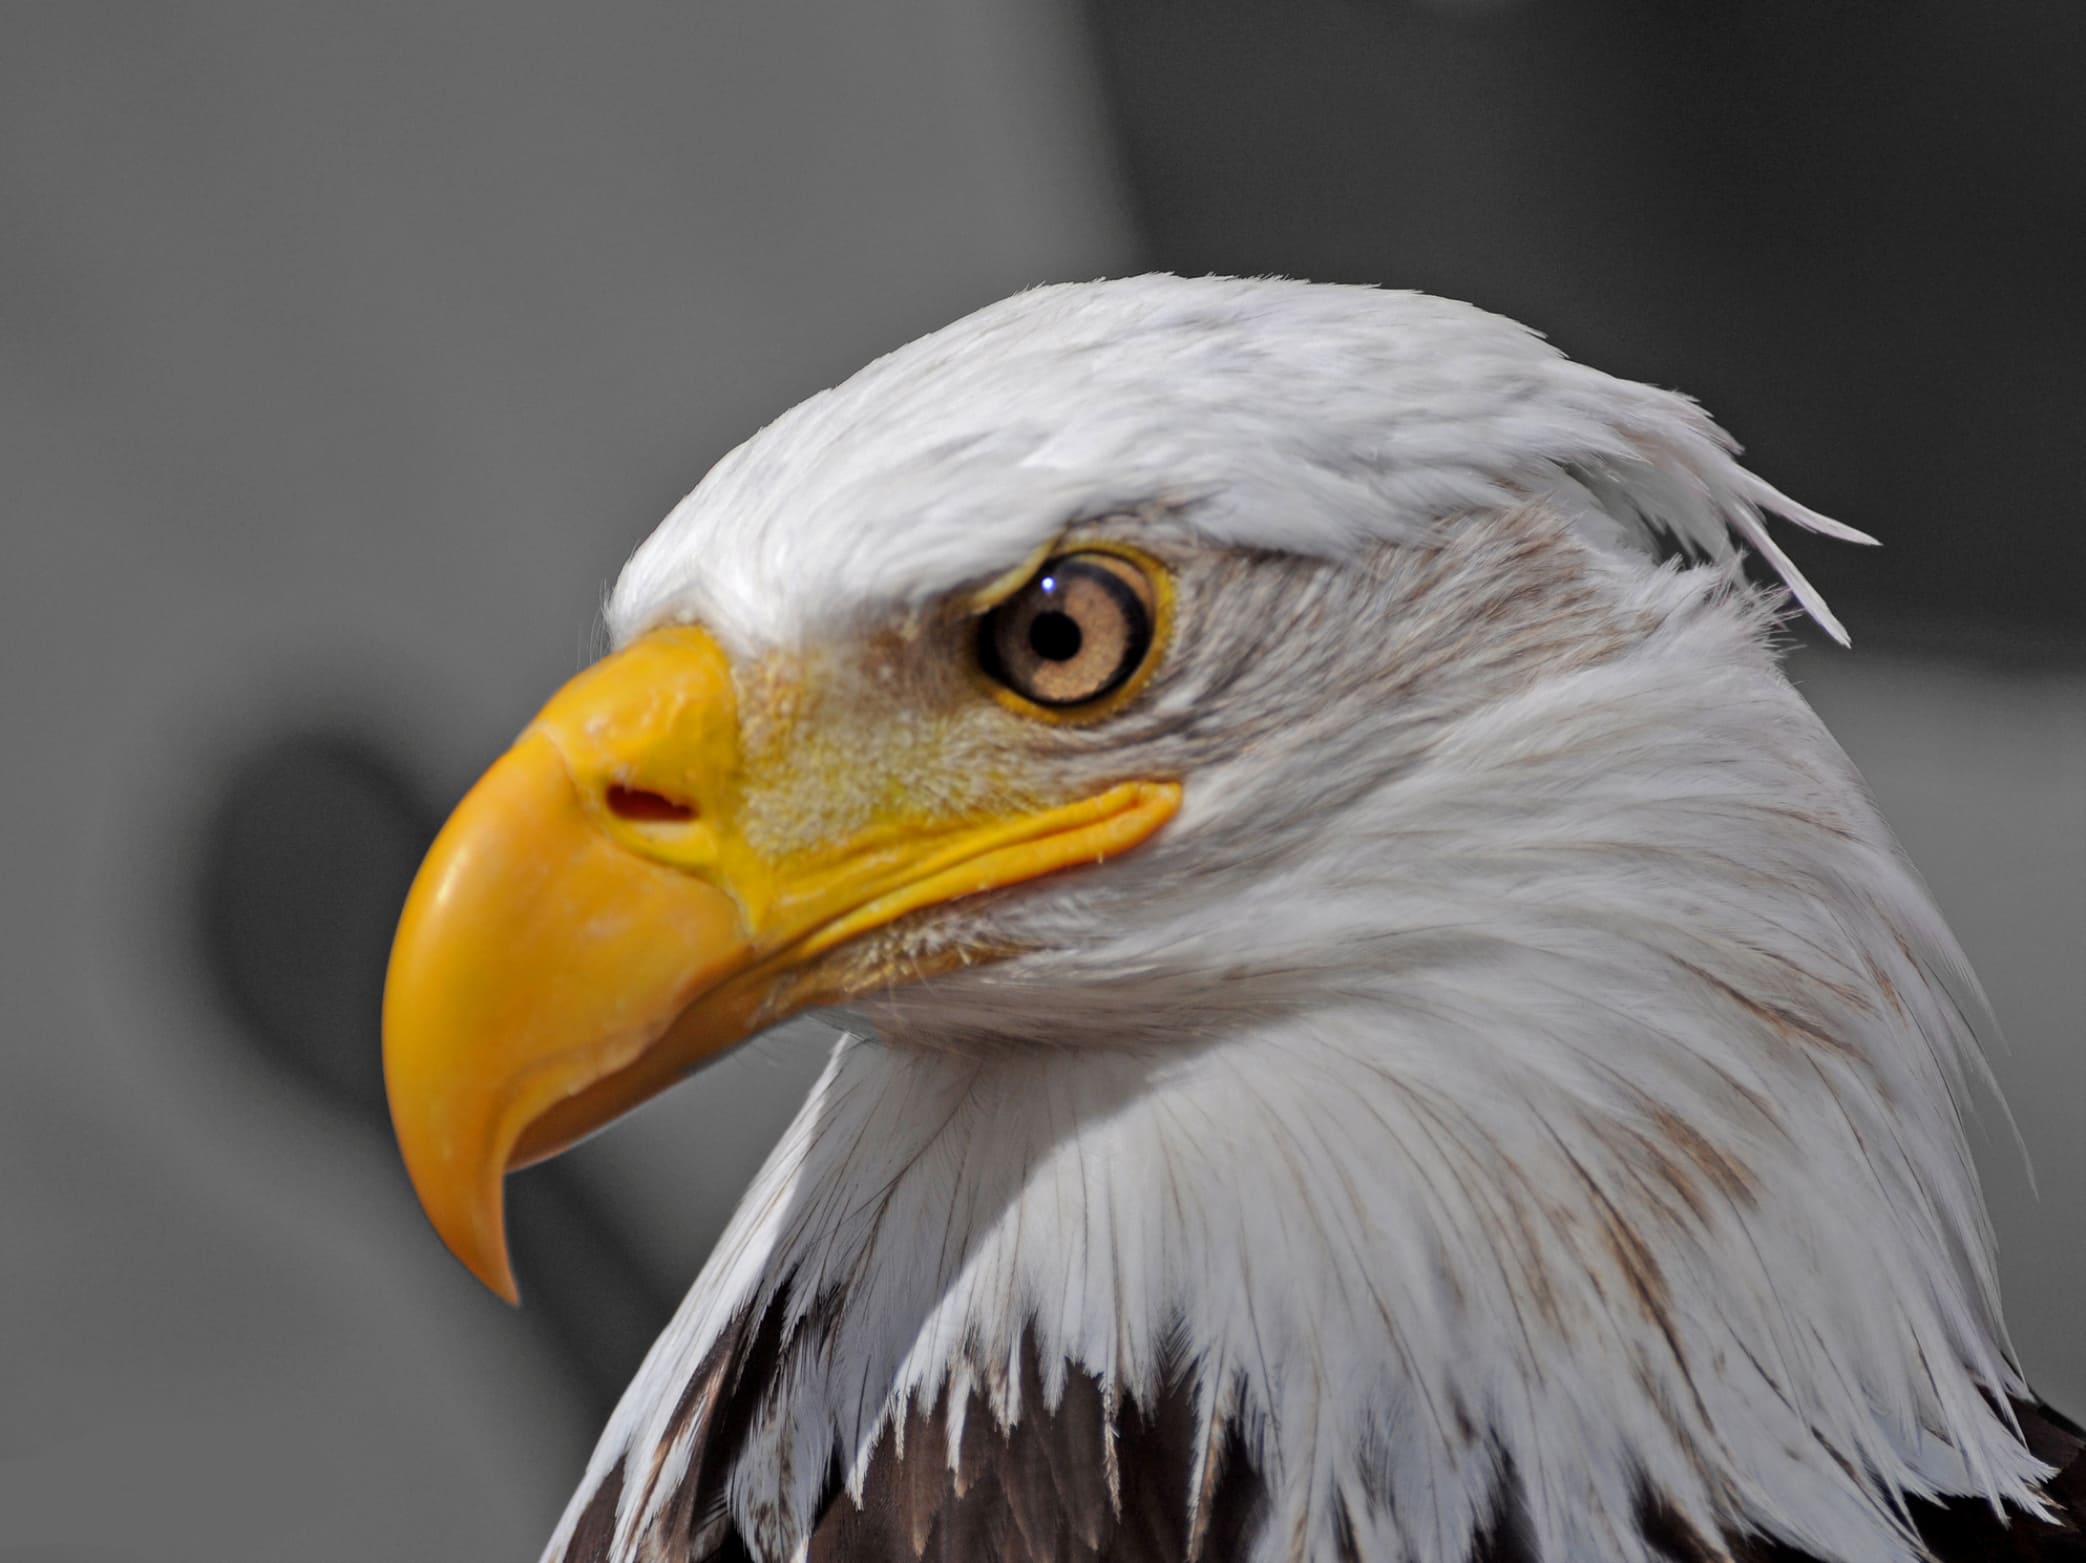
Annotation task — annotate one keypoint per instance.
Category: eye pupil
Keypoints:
(1055, 637)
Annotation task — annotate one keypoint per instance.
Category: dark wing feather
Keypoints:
(922, 1482)
(1038, 1492)
(597, 1521)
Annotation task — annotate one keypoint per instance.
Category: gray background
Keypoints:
(344, 353)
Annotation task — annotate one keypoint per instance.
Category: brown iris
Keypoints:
(1077, 631)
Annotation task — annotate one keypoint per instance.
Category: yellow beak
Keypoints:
(590, 924)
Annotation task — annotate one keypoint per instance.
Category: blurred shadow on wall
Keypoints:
(302, 863)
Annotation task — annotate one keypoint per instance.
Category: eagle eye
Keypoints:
(1080, 629)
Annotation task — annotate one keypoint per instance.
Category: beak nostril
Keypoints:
(646, 808)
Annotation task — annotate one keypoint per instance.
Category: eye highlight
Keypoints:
(1078, 631)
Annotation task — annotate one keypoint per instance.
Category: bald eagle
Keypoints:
(1378, 1025)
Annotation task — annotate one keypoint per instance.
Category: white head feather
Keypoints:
(1526, 1074)
(1309, 418)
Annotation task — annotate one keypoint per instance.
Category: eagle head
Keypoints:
(1356, 972)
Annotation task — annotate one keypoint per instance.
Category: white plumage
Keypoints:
(1308, 418)
(1522, 1087)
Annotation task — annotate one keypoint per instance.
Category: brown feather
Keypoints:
(923, 1479)
(1037, 1492)
(596, 1529)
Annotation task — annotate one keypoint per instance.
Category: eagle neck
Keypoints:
(1423, 1302)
